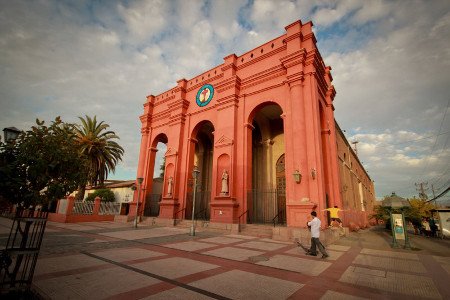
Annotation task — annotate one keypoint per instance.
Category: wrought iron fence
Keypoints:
(152, 205)
(83, 208)
(109, 208)
(266, 206)
(202, 205)
(18, 259)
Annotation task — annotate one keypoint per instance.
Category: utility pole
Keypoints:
(422, 188)
(434, 194)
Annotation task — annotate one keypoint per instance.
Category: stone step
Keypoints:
(265, 231)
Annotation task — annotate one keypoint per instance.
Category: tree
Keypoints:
(41, 165)
(97, 146)
(418, 209)
(106, 194)
(162, 168)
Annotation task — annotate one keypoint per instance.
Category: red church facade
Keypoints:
(260, 129)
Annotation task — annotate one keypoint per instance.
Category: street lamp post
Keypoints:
(140, 180)
(195, 173)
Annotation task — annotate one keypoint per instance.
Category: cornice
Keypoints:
(262, 57)
(203, 82)
(145, 118)
(259, 78)
(310, 35)
(145, 130)
(162, 101)
(203, 109)
(182, 103)
(233, 98)
(294, 58)
(228, 83)
(293, 37)
(161, 116)
(176, 119)
(265, 89)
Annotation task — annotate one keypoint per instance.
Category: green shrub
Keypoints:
(106, 195)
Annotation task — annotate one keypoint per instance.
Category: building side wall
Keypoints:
(356, 187)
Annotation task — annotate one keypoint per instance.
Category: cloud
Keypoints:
(335, 11)
(390, 67)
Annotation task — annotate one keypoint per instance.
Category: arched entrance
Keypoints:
(267, 198)
(203, 159)
(153, 199)
(281, 190)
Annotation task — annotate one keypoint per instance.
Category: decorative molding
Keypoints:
(170, 152)
(294, 58)
(223, 141)
(201, 83)
(259, 58)
(182, 103)
(273, 73)
(145, 130)
(229, 83)
(293, 37)
(265, 89)
(162, 101)
(146, 119)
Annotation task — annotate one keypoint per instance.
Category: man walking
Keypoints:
(315, 233)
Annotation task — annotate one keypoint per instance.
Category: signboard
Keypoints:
(398, 226)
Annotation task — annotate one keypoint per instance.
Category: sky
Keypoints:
(390, 64)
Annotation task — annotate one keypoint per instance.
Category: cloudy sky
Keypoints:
(390, 61)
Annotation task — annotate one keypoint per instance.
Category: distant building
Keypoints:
(123, 193)
(10, 133)
(260, 129)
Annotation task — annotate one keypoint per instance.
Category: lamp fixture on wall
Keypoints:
(313, 173)
(297, 176)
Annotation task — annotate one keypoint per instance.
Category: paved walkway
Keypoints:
(108, 260)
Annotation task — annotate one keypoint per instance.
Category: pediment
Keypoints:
(170, 151)
(224, 141)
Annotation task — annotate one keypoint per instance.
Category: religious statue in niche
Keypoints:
(169, 186)
(224, 191)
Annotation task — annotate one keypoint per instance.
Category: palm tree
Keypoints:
(97, 145)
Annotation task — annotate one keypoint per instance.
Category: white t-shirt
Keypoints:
(315, 227)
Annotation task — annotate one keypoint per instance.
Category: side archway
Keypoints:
(156, 171)
(201, 153)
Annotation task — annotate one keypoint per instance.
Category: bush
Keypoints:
(106, 195)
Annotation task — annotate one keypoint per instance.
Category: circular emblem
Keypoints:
(204, 95)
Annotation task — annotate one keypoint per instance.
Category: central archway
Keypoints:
(267, 197)
(203, 135)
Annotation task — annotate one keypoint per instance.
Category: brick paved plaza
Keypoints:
(114, 261)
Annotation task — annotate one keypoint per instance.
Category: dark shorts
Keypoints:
(336, 219)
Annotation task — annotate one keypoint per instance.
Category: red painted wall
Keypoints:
(287, 71)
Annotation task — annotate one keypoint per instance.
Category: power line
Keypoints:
(435, 141)
(424, 138)
(440, 195)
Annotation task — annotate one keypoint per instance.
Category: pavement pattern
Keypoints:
(107, 260)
